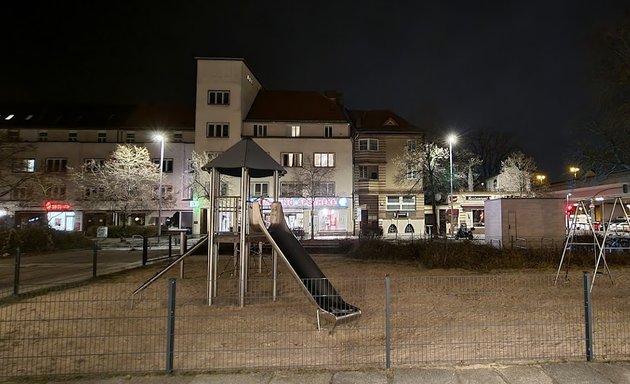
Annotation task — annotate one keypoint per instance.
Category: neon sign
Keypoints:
(57, 206)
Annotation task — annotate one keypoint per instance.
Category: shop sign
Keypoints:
(57, 206)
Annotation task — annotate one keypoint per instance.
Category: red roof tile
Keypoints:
(294, 106)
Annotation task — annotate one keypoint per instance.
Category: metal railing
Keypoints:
(97, 328)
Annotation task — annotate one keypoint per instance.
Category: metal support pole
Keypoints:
(145, 250)
(588, 317)
(16, 278)
(388, 313)
(170, 326)
(94, 259)
(182, 250)
(170, 246)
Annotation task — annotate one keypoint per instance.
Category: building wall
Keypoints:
(530, 222)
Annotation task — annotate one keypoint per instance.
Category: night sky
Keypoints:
(524, 67)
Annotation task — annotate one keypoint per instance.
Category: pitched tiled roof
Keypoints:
(294, 106)
(89, 116)
(381, 121)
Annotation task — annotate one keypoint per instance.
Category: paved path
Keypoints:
(552, 373)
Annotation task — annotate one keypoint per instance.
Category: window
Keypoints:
(21, 193)
(56, 192)
(368, 145)
(401, 203)
(224, 188)
(130, 137)
(368, 172)
(328, 131)
(324, 160)
(24, 165)
(412, 173)
(218, 97)
(392, 229)
(217, 130)
(260, 189)
(260, 130)
(101, 137)
(167, 190)
(13, 135)
(56, 165)
(478, 220)
(292, 159)
(291, 188)
(94, 193)
(167, 165)
(295, 131)
(43, 135)
(325, 188)
(412, 145)
(409, 229)
(73, 136)
(92, 164)
(178, 137)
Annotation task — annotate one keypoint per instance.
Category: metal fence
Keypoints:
(97, 328)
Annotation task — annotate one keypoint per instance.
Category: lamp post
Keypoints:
(160, 138)
(451, 139)
(541, 179)
(567, 213)
(574, 171)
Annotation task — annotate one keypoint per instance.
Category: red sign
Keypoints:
(57, 206)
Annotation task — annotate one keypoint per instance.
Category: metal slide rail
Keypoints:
(258, 222)
(203, 240)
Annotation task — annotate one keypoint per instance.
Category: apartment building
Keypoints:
(383, 200)
(306, 132)
(63, 137)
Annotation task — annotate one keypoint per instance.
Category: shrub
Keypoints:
(39, 238)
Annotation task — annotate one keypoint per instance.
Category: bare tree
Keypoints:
(126, 182)
(316, 178)
(491, 148)
(516, 173)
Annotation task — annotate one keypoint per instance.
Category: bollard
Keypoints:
(16, 278)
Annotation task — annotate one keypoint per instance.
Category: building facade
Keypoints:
(58, 139)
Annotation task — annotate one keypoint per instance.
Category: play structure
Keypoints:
(606, 237)
(247, 160)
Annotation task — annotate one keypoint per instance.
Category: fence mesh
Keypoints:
(96, 327)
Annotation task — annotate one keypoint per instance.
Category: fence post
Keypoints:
(588, 316)
(94, 259)
(170, 326)
(145, 250)
(170, 245)
(16, 276)
(388, 312)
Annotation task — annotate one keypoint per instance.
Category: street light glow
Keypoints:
(451, 139)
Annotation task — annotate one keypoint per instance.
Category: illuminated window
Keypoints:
(401, 203)
(218, 97)
(292, 159)
(324, 160)
(368, 145)
(217, 130)
(24, 165)
(295, 130)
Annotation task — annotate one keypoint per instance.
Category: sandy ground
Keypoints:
(437, 316)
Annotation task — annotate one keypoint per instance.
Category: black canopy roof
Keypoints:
(246, 153)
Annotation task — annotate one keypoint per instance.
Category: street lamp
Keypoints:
(541, 178)
(451, 140)
(574, 171)
(160, 138)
